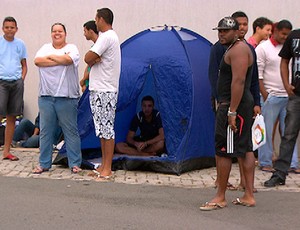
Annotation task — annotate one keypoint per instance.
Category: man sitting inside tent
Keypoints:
(150, 141)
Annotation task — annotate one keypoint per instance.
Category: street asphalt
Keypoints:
(135, 200)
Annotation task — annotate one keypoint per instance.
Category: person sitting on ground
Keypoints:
(150, 142)
(27, 134)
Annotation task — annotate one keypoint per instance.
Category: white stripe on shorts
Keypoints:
(229, 140)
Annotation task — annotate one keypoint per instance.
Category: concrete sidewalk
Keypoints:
(196, 179)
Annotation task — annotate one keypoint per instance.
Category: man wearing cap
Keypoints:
(216, 54)
(233, 118)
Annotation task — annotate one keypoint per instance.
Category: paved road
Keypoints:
(196, 179)
(28, 203)
(135, 200)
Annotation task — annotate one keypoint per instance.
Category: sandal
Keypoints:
(10, 157)
(238, 201)
(231, 187)
(209, 206)
(294, 170)
(76, 169)
(100, 178)
(267, 169)
(39, 170)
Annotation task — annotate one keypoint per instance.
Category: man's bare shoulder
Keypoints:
(240, 48)
(241, 45)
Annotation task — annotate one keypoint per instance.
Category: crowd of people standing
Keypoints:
(253, 73)
(57, 63)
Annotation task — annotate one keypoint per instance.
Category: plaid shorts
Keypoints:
(103, 107)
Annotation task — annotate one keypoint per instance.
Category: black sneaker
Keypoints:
(274, 180)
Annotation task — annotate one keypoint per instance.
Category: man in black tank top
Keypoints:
(234, 115)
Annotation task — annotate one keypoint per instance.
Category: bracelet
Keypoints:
(231, 114)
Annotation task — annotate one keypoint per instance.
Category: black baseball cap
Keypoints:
(227, 23)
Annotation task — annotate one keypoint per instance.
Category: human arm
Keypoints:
(130, 140)
(261, 65)
(255, 89)
(213, 70)
(238, 58)
(284, 71)
(255, 85)
(64, 59)
(159, 137)
(85, 77)
(53, 60)
(36, 131)
(24, 68)
(91, 58)
(37, 125)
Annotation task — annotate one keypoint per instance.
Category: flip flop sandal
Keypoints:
(76, 169)
(209, 206)
(39, 170)
(294, 170)
(238, 201)
(10, 157)
(100, 178)
(231, 187)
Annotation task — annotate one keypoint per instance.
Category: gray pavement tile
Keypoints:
(196, 179)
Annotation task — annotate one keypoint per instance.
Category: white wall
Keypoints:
(35, 18)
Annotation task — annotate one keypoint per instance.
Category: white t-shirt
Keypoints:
(268, 63)
(104, 75)
(60, 80)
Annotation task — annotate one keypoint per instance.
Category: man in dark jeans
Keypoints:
(290, 50)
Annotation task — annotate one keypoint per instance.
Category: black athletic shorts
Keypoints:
(233, 144)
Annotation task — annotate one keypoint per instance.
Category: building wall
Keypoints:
(35, 18)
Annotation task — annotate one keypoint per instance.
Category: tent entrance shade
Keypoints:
(171, 65)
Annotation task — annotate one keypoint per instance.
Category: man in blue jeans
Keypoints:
(290, 50)
(274, 95)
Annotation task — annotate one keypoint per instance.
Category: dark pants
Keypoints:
(288, 141)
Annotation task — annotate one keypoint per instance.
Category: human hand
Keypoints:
(290, 90)
(232, 123)
(141, 145)
(138, 145)
(256, 110)
(83, 88)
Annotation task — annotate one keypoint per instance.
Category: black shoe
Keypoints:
(274, 180)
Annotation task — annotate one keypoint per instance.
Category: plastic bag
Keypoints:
(258, 132)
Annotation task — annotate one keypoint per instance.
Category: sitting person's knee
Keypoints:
(119, 146)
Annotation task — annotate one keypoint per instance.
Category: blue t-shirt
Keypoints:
(11, 54)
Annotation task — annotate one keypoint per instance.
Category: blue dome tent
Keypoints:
(171, 65)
